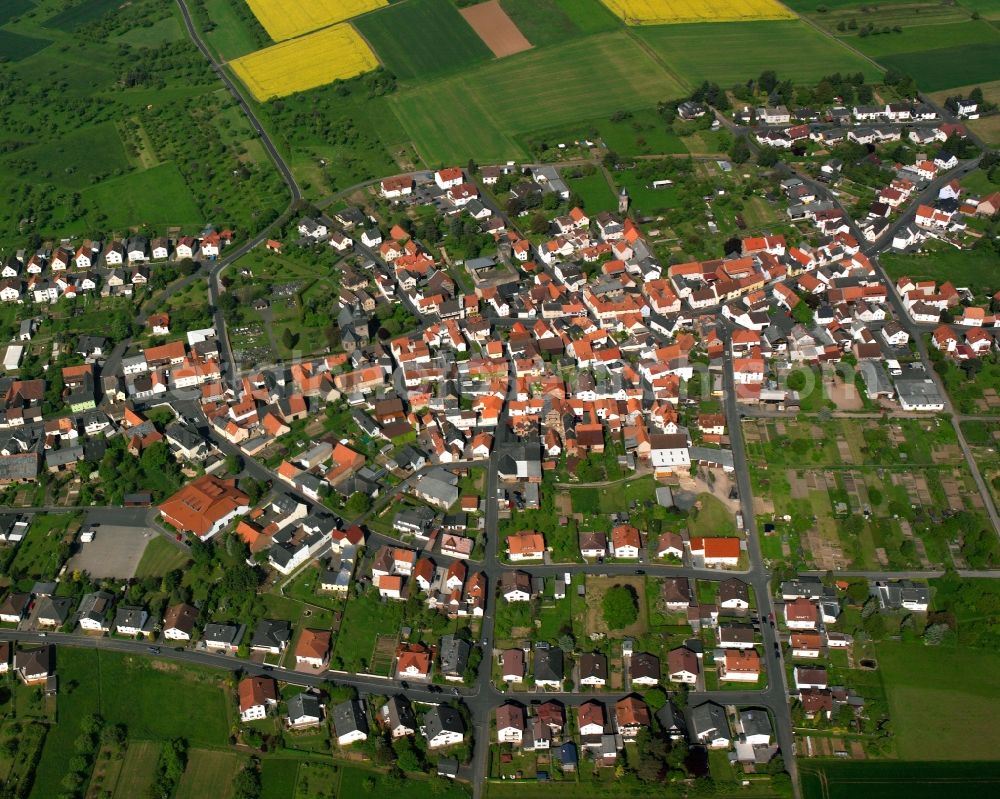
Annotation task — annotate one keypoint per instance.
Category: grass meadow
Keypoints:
(942, 701)
(920, 38)
(446, 43)
(209, 773)
(479, 113)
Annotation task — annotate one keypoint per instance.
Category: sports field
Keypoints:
(668, 12)
(283, 19)
(734, 52)
(331, 54)
(445, 44)
(479, 113)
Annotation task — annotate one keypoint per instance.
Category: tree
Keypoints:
(234, 463)
(768, 156)
(768, 80)
(739, 152)
(357, 504)
(539, 223)
(289, 339)
(621, 607)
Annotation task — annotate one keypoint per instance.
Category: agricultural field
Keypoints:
(947, 67)
(923, 37)
(208, 773)
(667, 12)
(735, 52)
(479, 113)
(897, 779)
(546, 22)
(336, 53)
(445, 44)
(138, 769)
(938, 717)
(16, 47)
(285, 19)
(492, 24)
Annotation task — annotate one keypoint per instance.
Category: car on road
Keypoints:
(153, 650)
(268, 668)
(405, 684)
(640, 571)
(42, 635)
(454, 691)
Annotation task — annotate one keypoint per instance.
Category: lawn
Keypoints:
(42, 552)
(595, 192)
(421, 38)
(478, 113)
(947, 67)
(828, 779)
(157, 197)
(713, 519)
(644, 198)
(729, 53)
(138, 769)
(352, 784)
(365, 619)
(208, 774)
(942, 701)
(161, 556)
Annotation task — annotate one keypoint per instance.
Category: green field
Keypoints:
(208, 774)
(976, 269)
(42, 551)
(945, 68)
(735, 52)
(478, 113)
(829, 779)
(942, 701)
(918, 38)
(545, 22)
(13, 8)
(157, 197)
(74, 161)
(79, 696)
(160, 557)
(365, 619)
(166, 30)
(277, 778)
(80, 14)
(138, 769)
(808, 6)
(595, 192)
(159, 703)
(421, 38)
(15, 47)
(231, 36)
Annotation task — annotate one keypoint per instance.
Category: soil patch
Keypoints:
(495, 28)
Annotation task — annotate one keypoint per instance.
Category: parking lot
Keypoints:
(115, 551)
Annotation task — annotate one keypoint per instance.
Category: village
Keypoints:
(423, 514)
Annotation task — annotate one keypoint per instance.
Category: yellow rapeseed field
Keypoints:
(283, 19)
(665, 12)
(304, 63)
